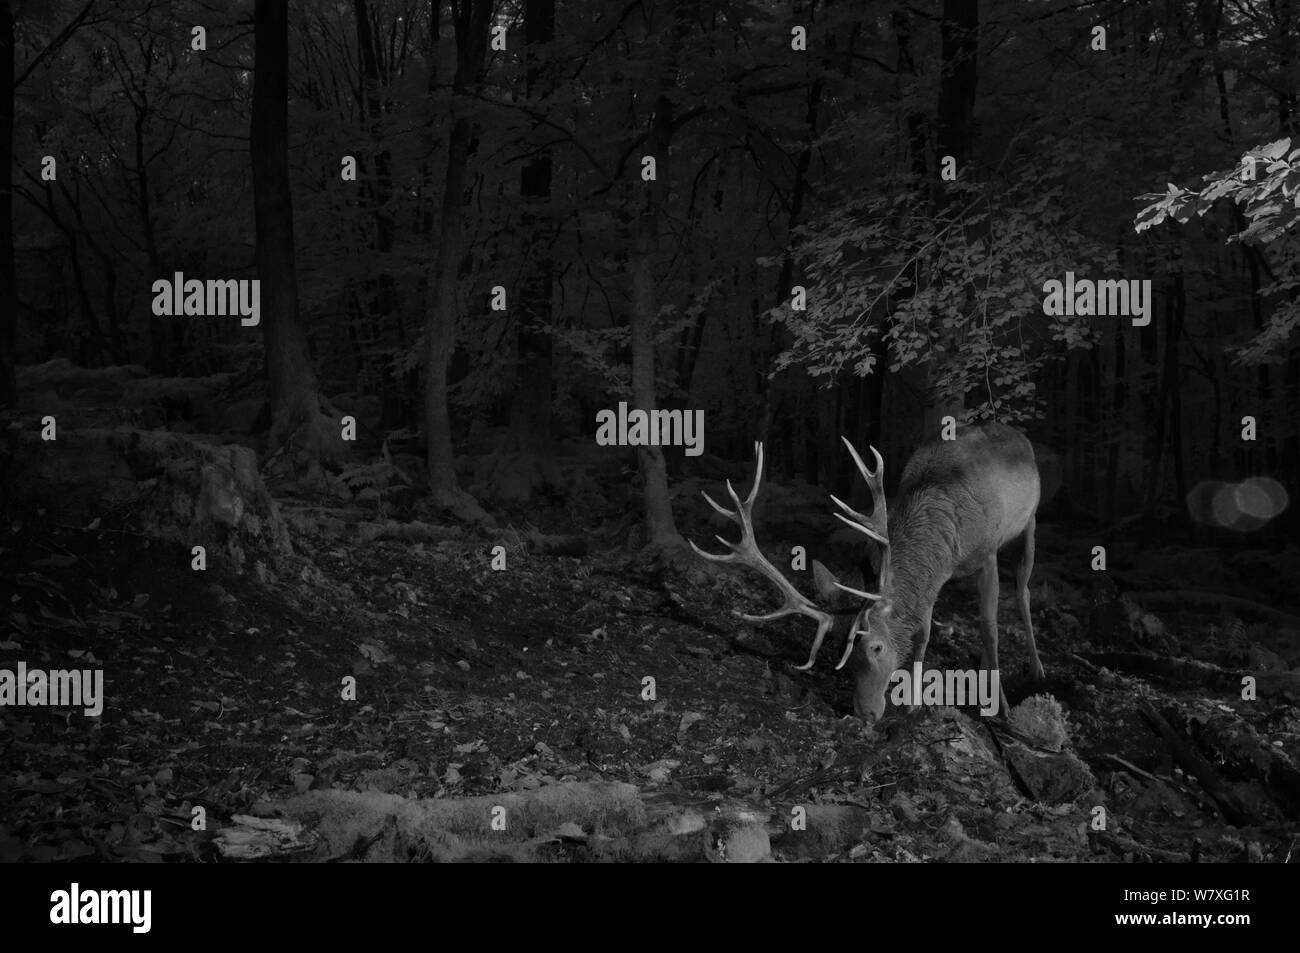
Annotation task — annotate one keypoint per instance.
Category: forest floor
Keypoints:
(350, 664)
(226, 692)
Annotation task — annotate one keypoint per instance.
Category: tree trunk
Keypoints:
(661, 531)
(440, 324)
(767, 384)
(378, 299)
(524, 465)
(1109, 507)
(291, 382)
(8, 302)
(959, 44)
(471, 19)
(162, 333)
(530, 418)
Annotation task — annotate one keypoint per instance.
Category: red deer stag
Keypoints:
(959, 502)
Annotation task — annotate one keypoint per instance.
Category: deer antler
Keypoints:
(747, 553)
(875, 526)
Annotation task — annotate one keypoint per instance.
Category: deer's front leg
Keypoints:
(988, 585)
(922, 636)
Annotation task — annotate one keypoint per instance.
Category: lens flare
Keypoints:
(1243, 506)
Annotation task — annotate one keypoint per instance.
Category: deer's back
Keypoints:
(986, 478)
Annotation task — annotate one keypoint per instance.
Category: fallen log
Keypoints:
(1233, 808)
(1201, 599)
(1183, 671)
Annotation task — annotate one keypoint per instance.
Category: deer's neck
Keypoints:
(922, 555)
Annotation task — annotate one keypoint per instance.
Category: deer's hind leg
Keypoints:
(987, 581)
(1023, 569)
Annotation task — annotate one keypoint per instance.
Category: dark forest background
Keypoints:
(522, 168)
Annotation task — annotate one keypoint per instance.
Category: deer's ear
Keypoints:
(824, 580)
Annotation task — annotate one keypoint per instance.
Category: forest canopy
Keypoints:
(803, 219)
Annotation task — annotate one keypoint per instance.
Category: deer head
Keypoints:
(878, 652)
(876, 662)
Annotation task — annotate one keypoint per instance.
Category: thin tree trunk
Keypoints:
(440, 326)
(380, 291)
(530, 410)
(1176, 406)
(1119, 410)
(959, 44)
(661, 530)
(1168, 381)
(769, 393)
(162, 335)
(8, 302)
